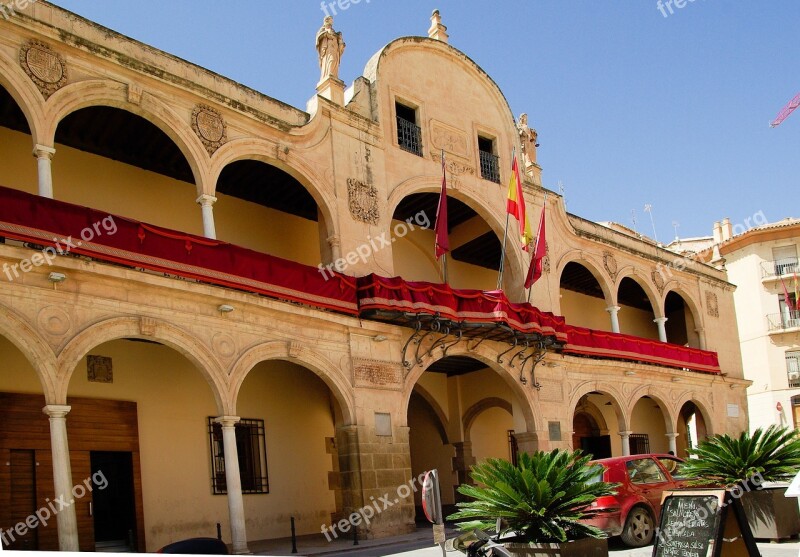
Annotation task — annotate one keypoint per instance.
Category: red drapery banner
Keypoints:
(47, 222)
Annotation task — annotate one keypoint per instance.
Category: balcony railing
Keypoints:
(781, 321)
(409, 136)
(490, 166)
(793, 369)
(779, 267)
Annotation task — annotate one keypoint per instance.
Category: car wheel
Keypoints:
(639, 528)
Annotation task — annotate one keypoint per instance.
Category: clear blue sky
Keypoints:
(631, 107)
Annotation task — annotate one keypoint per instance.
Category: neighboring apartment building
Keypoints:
(762, 263)
(169, 296)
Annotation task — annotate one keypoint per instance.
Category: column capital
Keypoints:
(625, 433)
(700, 330)
(43, 152)
(613, 309)
(56, 411)
(206, 200)
(672, 435)
(227, 421)
(660, 320)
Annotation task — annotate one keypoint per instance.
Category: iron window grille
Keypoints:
(251, 447)
(639, 443)
(793, 368)
(490, 166)
(409, 136)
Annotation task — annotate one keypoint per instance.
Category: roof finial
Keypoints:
(437, 30)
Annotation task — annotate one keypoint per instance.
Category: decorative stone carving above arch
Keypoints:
(363, 201)
(210, 127)
(46, 67)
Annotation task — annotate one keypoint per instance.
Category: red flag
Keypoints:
(516, 205)
(539, 252)
(787, 299)
(442, 244)
(796, 293)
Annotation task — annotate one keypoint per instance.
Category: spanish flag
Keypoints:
(516, 205)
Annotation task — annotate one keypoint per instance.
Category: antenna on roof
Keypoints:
(676, 225)
(633, 219)
(562, 191)
(648, 208)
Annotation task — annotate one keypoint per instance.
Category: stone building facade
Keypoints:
(150, 376)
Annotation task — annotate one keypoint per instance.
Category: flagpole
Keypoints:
(505, 235)
(533, 254)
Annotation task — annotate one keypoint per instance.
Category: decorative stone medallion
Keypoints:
(44, 66)
(54, 321)
(210, 127)
(712, 304)
(610, 263)
(224, 345)
(363, 201)
(658, 280)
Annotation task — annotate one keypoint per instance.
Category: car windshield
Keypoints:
(672, 466)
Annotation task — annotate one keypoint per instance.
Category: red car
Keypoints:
(633, 513)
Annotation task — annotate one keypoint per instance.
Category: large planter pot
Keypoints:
(770, 514)
(587, 547)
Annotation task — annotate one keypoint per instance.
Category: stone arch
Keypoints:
(667, 410)
(293, 352)
(86, 94)
(478, 408)
(41, 357)
(688, 299)
(24, 93)
(487, 356)
(265, 151)
(702, 406)
(592, 411)
(642, 280)
(612, 393)
(494, 217)
(165, 333)
(578, 256)
(442, 421)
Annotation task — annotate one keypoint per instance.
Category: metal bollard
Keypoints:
(355, 534)
(294, 538)
(219, 531)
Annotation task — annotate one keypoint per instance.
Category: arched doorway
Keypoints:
(681, 325)
(590, 431)
(649, 427)
(692, 428)
(140, 420)
(636, 313)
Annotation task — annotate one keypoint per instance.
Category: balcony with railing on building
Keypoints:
(409, 134)
(793, 368)
(490, 163)
(785, 320)
(787, 266)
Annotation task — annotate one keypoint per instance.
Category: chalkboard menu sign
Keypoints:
(703, 523)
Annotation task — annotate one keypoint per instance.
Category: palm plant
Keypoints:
(541, 499)
(769, 455)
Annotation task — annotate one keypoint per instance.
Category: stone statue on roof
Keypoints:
(529, 140)
(330, 47)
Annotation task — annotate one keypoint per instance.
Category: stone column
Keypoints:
(527, 442)
(207, 207)
(673, 443)
(662, 329)
(701, 336)
(62, 477)
(462, 463)
(44, 159)
(234, 484)
(613, 311)
(626, 442)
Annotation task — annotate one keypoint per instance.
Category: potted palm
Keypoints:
(743, 465)
(541, 502)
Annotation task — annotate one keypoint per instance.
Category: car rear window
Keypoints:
(644, 471)
(672, 466)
